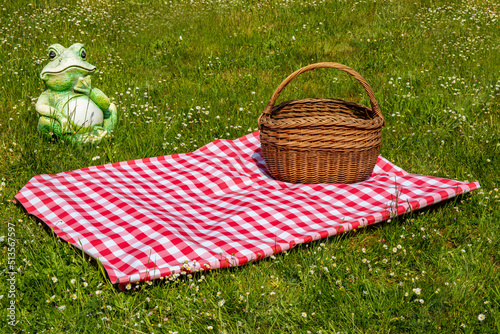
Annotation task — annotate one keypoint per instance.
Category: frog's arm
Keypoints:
(44, 108)
(100, 98)
(110, 117)
(83, 86)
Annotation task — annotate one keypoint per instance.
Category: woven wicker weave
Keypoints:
(321, 140)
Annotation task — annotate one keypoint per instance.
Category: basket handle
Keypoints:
(356, 75)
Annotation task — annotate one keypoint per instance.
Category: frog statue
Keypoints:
(70, 108)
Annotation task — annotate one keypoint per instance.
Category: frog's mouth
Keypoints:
(44, 75)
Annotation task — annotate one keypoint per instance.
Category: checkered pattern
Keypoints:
(215, 207)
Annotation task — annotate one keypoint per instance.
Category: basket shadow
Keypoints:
(258, 159)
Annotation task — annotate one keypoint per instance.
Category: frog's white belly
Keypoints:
(82, 111)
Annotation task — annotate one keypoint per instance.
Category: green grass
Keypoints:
(434, 69)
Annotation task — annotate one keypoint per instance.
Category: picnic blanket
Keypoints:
(212, 208)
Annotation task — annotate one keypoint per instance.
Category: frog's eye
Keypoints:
(83, 54)
(52, 54)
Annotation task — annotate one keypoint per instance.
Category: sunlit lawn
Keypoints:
(185, 74)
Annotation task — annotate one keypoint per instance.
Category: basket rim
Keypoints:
(327, 119)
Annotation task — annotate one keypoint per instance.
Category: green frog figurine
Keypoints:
(70, 108)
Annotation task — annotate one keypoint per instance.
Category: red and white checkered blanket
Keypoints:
(214, 207)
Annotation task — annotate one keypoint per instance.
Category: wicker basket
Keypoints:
(321, 140)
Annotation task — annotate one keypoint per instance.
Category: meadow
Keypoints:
(183, 73)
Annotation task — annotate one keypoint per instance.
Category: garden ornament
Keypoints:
(70, 108)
